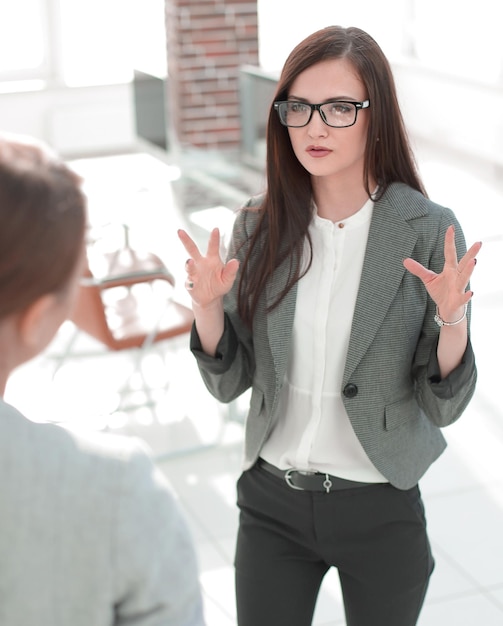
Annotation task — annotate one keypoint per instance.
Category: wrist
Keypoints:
(214, 306)
(451, 318)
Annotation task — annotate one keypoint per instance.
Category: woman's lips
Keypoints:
(318, 151)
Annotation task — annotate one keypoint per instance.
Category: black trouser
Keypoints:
(288, 539)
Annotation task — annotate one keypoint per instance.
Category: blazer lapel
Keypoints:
(280, 319)
(390, 240)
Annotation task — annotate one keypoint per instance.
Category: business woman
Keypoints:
(344, 305)
(91, 534)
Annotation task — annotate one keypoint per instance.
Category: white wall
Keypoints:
(453, 112)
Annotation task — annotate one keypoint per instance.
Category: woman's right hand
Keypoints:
(208, 277)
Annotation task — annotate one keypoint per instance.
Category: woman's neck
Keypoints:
(338, 202)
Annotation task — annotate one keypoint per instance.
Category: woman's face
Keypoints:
(337, 153)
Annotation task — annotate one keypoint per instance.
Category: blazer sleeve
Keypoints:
(230, 373)
(156, 575)
(443, 400)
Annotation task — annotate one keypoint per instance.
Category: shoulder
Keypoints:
(120, 463)
(249, 214)
(247, 218)
(110, 495)
(412, 205)
(123, 466)
(111, 479)
(410, 202)
(255, 202)
(427, 219)
(45, 450)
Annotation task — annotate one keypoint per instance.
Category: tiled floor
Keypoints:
(463, 492)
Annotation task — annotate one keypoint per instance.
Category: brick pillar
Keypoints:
(208, 41)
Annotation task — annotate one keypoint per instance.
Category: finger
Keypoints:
(419, 270)
(468, 262)
(450, 254)
(190, 267)
(469, 259)
(214, 243)
(189, 284)
(467, 296)
(230, 271)
(189, 244)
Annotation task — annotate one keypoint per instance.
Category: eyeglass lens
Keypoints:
(337, 114)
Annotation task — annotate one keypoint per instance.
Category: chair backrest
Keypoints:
(127, 309)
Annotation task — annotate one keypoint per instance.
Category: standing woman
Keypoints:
(90, 532)
(343, 305)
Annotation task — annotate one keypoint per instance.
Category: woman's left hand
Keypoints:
(448, 289)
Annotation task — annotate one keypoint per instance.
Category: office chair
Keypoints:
(120, 309)
(125, 302)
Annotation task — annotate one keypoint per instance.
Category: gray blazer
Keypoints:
(90, 532)
(391, 389)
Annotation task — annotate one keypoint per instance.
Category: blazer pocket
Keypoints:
(401, 412)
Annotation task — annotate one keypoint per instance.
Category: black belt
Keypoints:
(310, 481)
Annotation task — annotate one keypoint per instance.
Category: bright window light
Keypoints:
(459, 37)
(22, 45)
(96, 46)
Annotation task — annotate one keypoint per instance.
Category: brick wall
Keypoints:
(208, 41)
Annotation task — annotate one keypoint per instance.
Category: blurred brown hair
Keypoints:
(42, 223)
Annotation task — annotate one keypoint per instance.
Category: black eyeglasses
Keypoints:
(337, 114)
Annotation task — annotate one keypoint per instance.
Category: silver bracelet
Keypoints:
(441, 322)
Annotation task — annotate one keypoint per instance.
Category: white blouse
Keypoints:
(313, 431)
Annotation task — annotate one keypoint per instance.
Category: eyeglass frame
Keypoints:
(365, 104)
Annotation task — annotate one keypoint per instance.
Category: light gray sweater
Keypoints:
(90, 532)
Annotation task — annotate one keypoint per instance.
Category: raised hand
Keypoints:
(208, 277)
(448, 289)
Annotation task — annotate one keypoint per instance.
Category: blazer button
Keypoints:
(350, 390)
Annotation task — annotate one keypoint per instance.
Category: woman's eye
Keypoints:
(340, 108)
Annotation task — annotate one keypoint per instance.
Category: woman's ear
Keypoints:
(39, 323)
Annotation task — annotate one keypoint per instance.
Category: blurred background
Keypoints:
(67, 67)
(161, 105)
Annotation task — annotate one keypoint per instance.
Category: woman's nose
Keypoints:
(316, 126)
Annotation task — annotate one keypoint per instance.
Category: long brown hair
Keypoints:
(42, 223)
(286, 209)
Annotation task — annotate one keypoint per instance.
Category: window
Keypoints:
(80, 42)
(96, 41)
(459, 37)
(303, 18)
(23, 44)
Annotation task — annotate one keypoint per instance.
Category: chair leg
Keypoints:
(147, 344)
(145, 387)
(60, 358)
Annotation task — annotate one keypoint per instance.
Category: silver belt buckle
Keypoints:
(288, 479)
(327, 483)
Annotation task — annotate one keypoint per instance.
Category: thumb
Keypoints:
(418, 270)
(229, 272)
